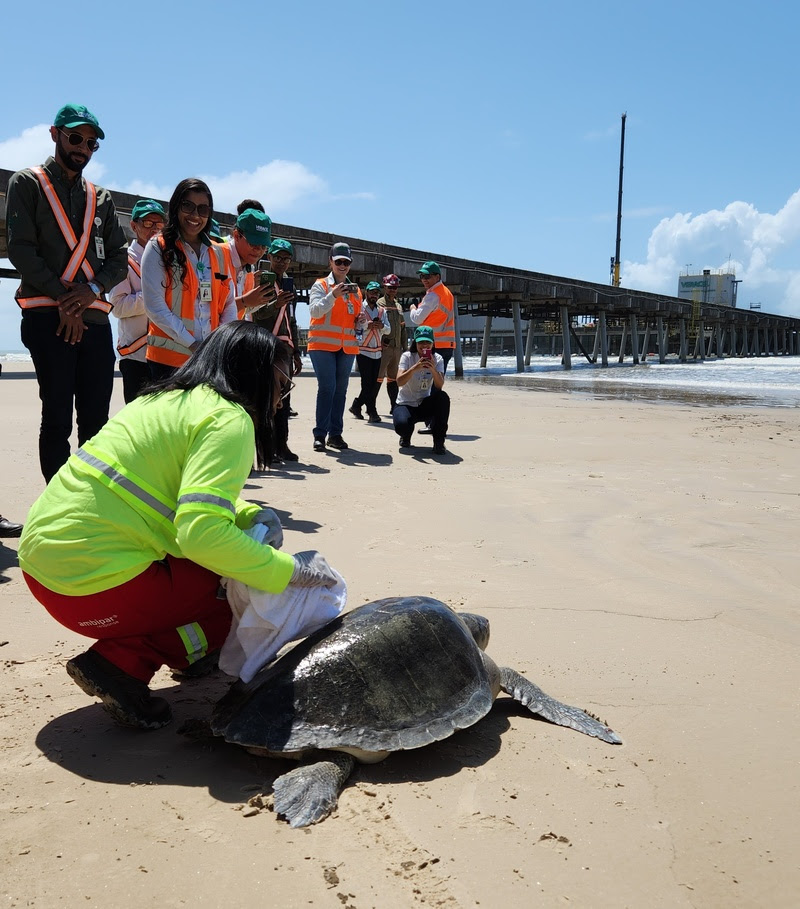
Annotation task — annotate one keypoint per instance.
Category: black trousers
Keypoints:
(160, 370)
(433, 410)
(69, 375)
(368, 370)
(135, 374)
(280, 426)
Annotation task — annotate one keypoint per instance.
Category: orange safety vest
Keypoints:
(78, 261)
(138, 344)
(180, 296)
(441, 318)
(336, 330)
(249, 284)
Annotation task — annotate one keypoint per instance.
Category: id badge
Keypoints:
(351, 310)
(205, 291)
(99, 247)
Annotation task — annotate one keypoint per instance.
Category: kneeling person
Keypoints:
(421, 398)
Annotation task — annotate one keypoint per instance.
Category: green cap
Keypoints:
(214, 230)
(72, 115)
(146, 207)
(256, 227)
(373, 285)
(430, 268)
(279, 245)
(423, 333)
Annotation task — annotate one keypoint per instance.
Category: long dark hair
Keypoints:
(172, 254)
(237, 361)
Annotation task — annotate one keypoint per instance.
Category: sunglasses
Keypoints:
(76, 140)
(149, 225)
(341, 262)
(284, 259)
(189, 208)
(288, 385)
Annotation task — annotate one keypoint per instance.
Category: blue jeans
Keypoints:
(332, 368)
(70, 375)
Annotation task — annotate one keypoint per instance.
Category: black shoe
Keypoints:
(319, 444)
(200, 668)
(440, 450)
(292, 413)
(425, 432)
(337, 442)
(127, 699)
(404, 442)
(286, 455)
(355, 410)
(9, 528)
(374, 418)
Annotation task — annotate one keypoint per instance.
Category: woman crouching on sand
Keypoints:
(129, 540)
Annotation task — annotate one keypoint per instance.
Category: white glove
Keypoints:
(312, 570)
(274, 534)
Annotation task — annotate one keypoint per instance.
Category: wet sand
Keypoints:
(635, 559)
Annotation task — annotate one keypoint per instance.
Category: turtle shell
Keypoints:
(394, 674)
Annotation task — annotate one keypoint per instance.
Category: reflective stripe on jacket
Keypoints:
(78, 261)
(125, 344)
(180, 296)
(336, 330)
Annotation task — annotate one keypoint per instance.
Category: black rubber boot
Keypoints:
(126, 699)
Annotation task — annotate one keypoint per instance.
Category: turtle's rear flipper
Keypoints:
(311, 792)
(532, 697)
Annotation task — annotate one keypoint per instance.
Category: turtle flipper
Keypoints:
(310, 793)
(532, 697)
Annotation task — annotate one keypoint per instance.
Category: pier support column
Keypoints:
(733, 339)
(622, 340)
(515, 311)
(645, 341)
(745, 342)
(662, 339)
(566, 356)
(487, 333)
(720, 344)
(603, 338)
(682, 349)
(634, 340)
(529, 343)
(458, 356)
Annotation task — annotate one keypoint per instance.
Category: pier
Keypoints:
(570, 317)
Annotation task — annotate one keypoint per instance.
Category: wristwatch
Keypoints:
(96, 288)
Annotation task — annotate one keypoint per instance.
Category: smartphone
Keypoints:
(426, 354)
(267, 277)
(287, 283)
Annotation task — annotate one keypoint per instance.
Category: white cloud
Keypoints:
(279, 185)
(762, 248)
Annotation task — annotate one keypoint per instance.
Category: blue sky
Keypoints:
(466, 129)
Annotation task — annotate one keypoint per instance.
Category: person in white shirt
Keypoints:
(183, 266)
(248, 243)
(421, 398)
(373, 324)
(147, 219)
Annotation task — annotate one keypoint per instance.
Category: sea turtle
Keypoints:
(394, 674)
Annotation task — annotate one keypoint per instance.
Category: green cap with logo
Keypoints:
(423, 333)
(429, 268)
(280, 246)
(256, 227)
(147, 207)
(72, 115)
(373, 285)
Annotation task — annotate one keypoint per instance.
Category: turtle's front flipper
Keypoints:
(311, 792)
(532, 697)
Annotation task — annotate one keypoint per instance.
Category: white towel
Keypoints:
(265, 622)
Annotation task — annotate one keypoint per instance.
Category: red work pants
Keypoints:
(172, 613)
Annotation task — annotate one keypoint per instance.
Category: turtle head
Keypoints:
(478, 626)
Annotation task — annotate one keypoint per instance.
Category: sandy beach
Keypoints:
(635, 559)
